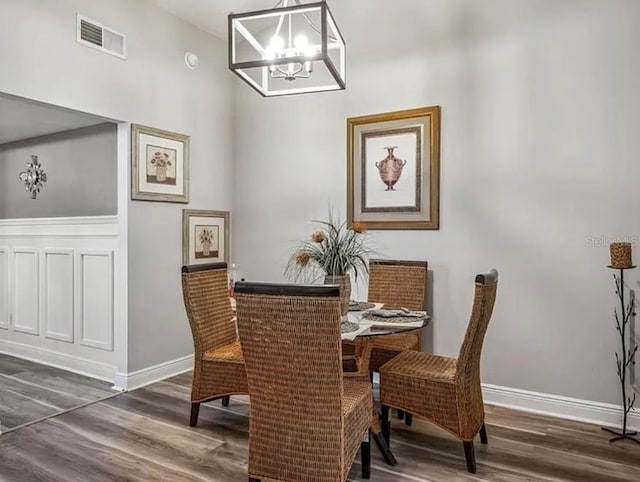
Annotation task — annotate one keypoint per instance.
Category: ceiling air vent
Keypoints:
(94, 34)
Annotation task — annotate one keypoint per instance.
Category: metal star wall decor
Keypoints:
(34, 177)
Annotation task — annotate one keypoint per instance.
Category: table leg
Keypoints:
(364, 346)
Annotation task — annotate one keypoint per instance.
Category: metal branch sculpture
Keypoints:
(625, 359)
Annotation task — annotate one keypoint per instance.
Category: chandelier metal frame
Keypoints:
(293, 66)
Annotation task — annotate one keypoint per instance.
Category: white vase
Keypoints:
(161, 174)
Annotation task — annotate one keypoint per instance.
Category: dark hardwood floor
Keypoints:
(30, 391)
(144, 435)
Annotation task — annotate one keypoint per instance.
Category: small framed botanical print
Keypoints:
(393, 169)
(205, 236)
(159, 165)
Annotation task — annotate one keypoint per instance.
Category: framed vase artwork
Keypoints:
(159, 165)
(205, 236)
(393, 169)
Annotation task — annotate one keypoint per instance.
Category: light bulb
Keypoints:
(300, 41)
(276, 44)
(310, 51)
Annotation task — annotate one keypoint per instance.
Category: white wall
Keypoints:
(155, 88)
(59, 300)
(539, 156)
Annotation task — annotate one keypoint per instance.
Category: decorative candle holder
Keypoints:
(621, 260)
(621, 255)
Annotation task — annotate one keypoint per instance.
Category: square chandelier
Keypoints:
(288, 49)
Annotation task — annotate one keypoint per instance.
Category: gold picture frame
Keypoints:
(205, 236)
(399, 188)
(159, 165)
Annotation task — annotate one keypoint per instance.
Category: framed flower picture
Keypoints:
(159, 165)
(393, 169)
(205, 236)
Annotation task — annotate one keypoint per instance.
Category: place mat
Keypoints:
(401, 312)
(348, 326)
(360, 305)
(352, 335)
(396, 320)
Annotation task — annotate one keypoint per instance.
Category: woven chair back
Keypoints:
(290, 337)
(206, 300)
(398, 283)
(485, 296)
(468, 388)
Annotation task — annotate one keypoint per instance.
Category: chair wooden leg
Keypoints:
(408, 419)
(470, 455)
(251, 479)
(385, 424)
(483, 435)
(195, 410)
(225, 401)
(400, 414)
(365, 457)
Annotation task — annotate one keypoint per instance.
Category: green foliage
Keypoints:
(334, 250)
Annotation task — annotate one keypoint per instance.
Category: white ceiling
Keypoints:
(22, 119)
(368, 26)
(387, 27)
(211, 15)
(365, 24)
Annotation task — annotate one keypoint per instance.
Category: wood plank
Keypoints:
(144, 435)
(30, 391)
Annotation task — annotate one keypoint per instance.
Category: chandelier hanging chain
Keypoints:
(285, 3)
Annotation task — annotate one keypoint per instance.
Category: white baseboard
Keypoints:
(598, 413)
(152, 374)
(604, 414)
(71, 363)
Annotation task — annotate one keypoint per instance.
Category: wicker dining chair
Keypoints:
(445, 391)
(306, 422)
(396, 284)
(218, 370)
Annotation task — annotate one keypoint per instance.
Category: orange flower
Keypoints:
(302, 258)
(317, 237)
(359, 227)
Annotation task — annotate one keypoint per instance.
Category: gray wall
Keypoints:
(152, 87)
(540, 167)
(81, 174)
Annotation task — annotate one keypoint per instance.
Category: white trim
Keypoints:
(121, 255)
(45, 297)
(107, 344)
(15, 319)
(73, 220)
(558, 406)
(73, 227)
(152, 374)
(5, 315)
(70, 363)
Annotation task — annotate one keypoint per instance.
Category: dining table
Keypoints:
(363, 323)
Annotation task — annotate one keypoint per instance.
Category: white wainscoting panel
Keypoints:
(63, 288)
(96, 299)
(4, 288)
(26, 291)
(58, 294)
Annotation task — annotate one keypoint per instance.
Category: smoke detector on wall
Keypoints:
(95, 35)
(191, 60)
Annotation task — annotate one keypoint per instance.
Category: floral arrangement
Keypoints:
(206, 236)
(333, 250)
(161, 160)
